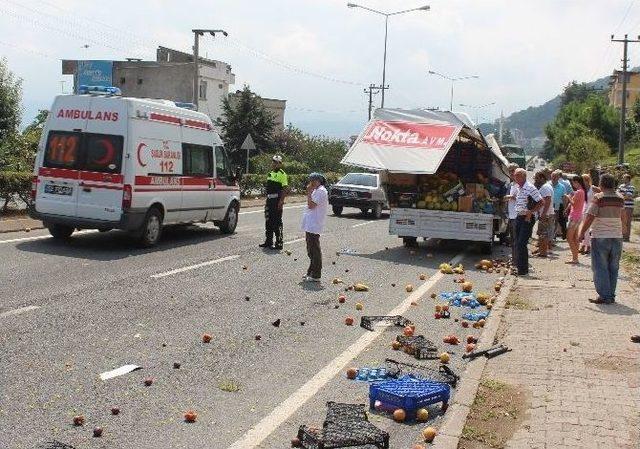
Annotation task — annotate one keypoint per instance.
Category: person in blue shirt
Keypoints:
(559, 191)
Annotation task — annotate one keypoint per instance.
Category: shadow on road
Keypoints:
(615, 309)
(116, 245)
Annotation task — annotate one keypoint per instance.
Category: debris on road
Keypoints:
(361, 287)
(408, 288)
(342, 298)
(206, 338)
(359, 306)
(443, 374)
(408, 394)
(176, 365)
(190, 416)
(346, 425)
(367, 322)
(78, 420)
(336, 281)
(276, 323)
(97, 432)
(417, 346)
(125, 369)
(115, 411)
(488, 353)
(429, 434)
(348, 321)
(148, 381)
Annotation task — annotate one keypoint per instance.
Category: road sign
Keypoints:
(248, 145)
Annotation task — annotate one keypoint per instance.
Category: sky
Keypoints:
(320, 55)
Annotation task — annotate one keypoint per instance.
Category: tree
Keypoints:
(575, 92)
(507, 137)
(10, 96)
(587, 152)
(589, 117)
(248, 116)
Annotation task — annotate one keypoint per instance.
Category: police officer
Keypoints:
(277, 184)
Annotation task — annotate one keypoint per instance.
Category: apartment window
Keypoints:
(139, 81)
(203, 90)
(122, 80)
(220, 86)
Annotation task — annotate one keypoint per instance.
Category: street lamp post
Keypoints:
(196, 56)
(386, 29)
(477, 108)
(453, 80)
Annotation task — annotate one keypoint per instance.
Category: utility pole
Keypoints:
(623, 110)
(373, 89)
(196, 60)
(500, 129)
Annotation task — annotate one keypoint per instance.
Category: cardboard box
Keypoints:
(465, 203)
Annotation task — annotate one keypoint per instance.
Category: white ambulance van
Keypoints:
(109, 162)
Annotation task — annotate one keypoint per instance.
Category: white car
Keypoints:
(106, 162)
(363, 191)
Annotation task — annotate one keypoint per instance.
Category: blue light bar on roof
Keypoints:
(102, 90)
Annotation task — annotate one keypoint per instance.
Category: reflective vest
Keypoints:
(276, 181)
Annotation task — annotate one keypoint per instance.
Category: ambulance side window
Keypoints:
(223, 169)
(197, 160)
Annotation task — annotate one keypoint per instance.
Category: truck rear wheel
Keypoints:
(337, 210)
(60, 232)
(487, 248)
(151, 228)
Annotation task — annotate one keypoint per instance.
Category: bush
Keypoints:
(15, 184)
(252, 184)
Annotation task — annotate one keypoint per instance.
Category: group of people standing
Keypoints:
(593, 219)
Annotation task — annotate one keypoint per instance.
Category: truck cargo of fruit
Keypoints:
(442, 177)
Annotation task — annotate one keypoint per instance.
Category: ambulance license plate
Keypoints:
(58, 190)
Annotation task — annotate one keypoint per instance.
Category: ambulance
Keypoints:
(110, 162)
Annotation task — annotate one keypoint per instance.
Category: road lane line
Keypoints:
(265, 427)
(290, 242)
(193, 267)
(18, 311)
(41, 237)
(365, 223)
(261, 211)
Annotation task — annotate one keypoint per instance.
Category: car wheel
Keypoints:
(377, 211)
(228, 225)
(151, 228)
(337, 210)
(410, 242)
(60, 232)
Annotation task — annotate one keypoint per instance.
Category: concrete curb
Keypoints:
(450, 432)
(21, 224)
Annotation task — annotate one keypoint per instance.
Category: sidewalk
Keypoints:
(23, 223)
(573, 359)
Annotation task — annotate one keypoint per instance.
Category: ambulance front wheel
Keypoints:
(228, 225)
(151, 228)
(60, 232)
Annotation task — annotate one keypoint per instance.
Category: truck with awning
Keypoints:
(443, 179)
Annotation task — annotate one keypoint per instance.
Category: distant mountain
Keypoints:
(531, 121)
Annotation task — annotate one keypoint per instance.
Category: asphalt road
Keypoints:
(70, 311)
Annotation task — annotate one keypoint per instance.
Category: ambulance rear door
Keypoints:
(104, 142)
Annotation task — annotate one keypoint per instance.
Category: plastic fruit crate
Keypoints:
(409, 394)
(342, 435)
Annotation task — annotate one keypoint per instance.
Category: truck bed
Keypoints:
(441, 224)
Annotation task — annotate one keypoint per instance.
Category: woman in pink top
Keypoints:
(577, 204)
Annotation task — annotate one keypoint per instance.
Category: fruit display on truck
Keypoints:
(442, 178)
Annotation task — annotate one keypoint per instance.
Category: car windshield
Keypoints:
(360, 179)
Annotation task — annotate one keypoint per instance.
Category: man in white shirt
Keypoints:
(511, 208)
(528, 202)
(545, 214)
(313, 220)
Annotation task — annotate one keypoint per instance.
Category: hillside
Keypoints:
(533, 119)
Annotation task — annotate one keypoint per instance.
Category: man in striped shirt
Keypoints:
(628, 192)
(528, 202)
(604, 218)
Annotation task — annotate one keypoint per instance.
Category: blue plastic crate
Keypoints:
(409, 394)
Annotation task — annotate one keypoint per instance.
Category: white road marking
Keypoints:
(290, 242)
(265, 427)
(365, 223)
(40, 237)
(261, 211)
(18, 311)
(193, 267)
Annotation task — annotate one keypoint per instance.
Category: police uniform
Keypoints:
(276, 183)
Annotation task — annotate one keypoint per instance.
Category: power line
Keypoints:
(624, 17)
